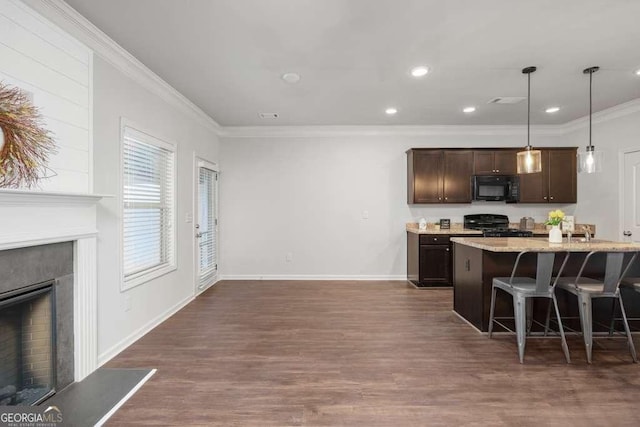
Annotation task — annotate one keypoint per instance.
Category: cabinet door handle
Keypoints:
(551, 198)
(627, 233)
(467, 265)
(447, 249)
(545, 197)
(446, 198)
(497, 170)
(439, 198)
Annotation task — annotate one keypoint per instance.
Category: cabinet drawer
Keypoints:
(438, 239)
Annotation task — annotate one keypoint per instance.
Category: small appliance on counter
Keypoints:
(445, 224)
(493, 225)
(527, 223)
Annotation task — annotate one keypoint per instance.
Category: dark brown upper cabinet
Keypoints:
(494, 162)
(557, 183)
(439, 176)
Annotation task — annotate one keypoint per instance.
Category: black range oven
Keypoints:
(493, 225)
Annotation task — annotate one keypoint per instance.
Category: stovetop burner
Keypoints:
(493, 225)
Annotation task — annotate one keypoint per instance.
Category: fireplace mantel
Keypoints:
(26, 197)
(30, 218)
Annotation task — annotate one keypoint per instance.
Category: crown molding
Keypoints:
(344, 131)
(602, 116)
(77, 25)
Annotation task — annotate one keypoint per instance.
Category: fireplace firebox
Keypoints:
(28, 344)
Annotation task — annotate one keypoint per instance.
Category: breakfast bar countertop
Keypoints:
(519, 244)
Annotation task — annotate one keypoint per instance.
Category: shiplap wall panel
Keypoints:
(62, 160)
(44, 60)
(20, 66)
(50, 105)
(67, 135)
(65, 181)
(22, 40)
(27, 18)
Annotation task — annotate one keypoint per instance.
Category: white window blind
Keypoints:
(148, 206)
(207, 223)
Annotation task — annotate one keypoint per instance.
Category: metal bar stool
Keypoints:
(523, 289)
(633, 284)
(586, 289)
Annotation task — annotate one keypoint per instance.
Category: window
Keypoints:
(148, 207)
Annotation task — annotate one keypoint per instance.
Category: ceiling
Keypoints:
(354, 57)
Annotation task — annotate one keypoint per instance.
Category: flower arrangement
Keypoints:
(555, 217)
(27, 145)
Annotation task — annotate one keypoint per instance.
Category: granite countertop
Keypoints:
(458, 228)
(518, 244)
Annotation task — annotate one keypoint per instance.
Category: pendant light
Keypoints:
(529, 161)
(590, 161)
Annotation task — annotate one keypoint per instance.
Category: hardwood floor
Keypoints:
(363, 354)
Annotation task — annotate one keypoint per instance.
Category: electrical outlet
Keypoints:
(288, 257)
(127, 303)
(365, 214)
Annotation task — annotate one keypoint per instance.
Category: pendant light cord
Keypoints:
(528, 110)
(590, 105)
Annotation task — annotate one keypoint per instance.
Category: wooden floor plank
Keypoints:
(273, 353)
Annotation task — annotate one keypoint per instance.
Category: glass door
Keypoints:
(207, 225)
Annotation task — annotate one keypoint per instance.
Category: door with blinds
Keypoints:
(207, 225)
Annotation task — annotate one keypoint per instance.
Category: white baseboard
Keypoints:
(310, 277)
(136, 335)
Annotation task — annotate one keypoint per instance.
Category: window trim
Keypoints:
(152, 273)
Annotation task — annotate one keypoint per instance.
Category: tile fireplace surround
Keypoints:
(30, 218)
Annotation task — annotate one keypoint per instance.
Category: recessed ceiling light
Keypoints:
(552, 110)
(420, 71)
(391, 111)
(468, 109)
(638, 72)
(291, 77)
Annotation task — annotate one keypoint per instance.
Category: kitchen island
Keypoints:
(429, 250)
(477, 260)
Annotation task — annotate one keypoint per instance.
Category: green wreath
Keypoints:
(27, 145)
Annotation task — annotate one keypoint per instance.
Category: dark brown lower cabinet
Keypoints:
(429, 259)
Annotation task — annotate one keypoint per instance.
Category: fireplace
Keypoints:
(36, 322)
(27, 345)
(52, 236)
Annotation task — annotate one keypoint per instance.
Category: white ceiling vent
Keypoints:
(270, 116)
(507, 100)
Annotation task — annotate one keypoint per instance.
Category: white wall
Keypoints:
(599, 194)
(38, 57)
(306, 196)
(116, 96)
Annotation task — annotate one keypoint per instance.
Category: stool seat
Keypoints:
(583, 284)
(631, 283)
(522, 284)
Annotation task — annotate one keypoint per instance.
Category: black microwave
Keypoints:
(496, 188)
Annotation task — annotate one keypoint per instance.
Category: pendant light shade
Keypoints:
(529, 160)
(591, 160)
